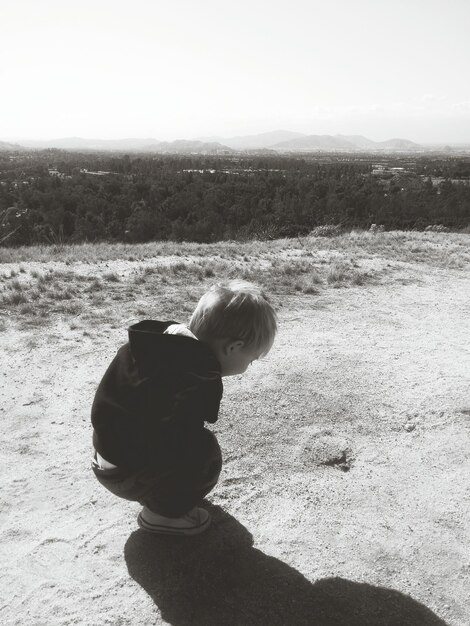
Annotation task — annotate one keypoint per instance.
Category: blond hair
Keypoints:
(236, 310)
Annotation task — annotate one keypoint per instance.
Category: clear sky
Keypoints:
(172, 69)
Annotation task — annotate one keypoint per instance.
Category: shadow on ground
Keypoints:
(219, 578)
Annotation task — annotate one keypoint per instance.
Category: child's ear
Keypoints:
(233, 346)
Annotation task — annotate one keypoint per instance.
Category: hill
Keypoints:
(312, 143)
(343, 497)
(128, 145)
(260, 141)
(398, 144)
(279, 140)
(6, 146)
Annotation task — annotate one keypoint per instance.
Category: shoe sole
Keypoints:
(160, 529)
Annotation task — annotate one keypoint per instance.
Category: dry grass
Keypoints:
(430, 247)
(119, 281)
(446, 250)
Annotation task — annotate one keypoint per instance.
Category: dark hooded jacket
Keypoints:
(150, 407)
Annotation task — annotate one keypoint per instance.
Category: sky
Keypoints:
(174, 69)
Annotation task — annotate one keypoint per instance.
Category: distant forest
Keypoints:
(54, 196)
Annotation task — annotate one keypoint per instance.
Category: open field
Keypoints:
(344, 497)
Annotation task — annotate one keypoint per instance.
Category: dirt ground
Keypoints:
(344, 497)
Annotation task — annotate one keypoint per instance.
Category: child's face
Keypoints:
(235, 357)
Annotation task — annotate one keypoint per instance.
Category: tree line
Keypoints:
(53, 195)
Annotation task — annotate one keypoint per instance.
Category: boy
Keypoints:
(148, 415)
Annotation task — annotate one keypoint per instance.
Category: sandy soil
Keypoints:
(344, 498)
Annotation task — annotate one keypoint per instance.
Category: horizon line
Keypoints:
(207, 138)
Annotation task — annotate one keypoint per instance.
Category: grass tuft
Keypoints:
(17, 297)
(16, 285)
(337, 274)
(112, 277)
(28, 309)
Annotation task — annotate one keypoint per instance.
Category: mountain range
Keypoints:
(279, 141)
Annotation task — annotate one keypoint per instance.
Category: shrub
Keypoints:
(327, 230)
(437, 228)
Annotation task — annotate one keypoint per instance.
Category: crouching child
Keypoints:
(149, 411)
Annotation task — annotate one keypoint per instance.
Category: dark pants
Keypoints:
(168, 492)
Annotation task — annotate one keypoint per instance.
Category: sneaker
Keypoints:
(193, 523)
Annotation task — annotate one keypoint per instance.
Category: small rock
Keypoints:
(326, 450)
(410, 427)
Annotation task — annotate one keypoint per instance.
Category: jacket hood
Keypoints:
(155, 352)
